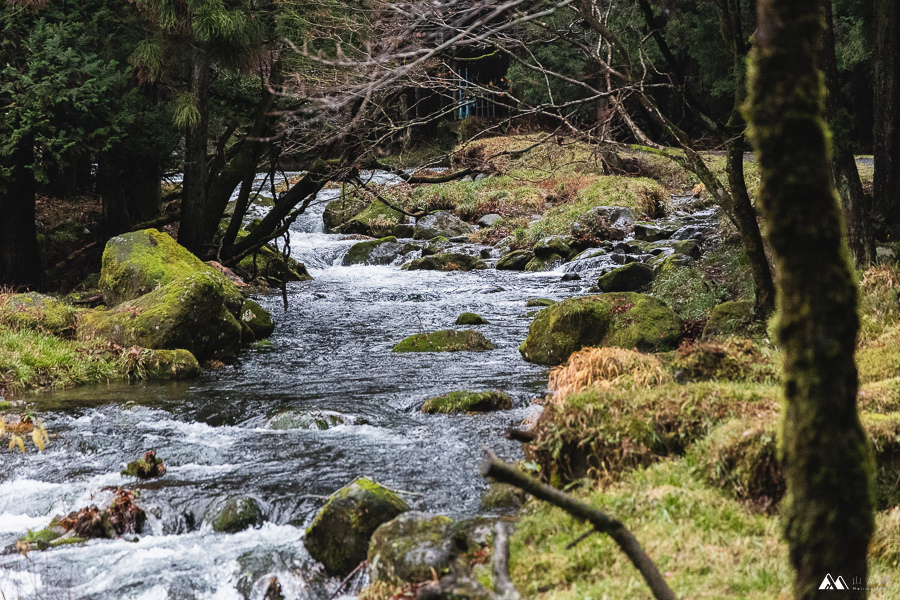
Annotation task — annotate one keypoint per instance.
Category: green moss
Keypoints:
(339, 535)
(175, 365)
(269, 266)
(449, 261)
(516, 260)
(625, 319)
(5, 405)
(879, 359)
(540, 264)
(147, 467)
(337, 212)
(734, 359)
(730, 318)
(447, 340)
(376, 211)
(604, 431)
(359, 253)
(188, 314)
(540, 302)
(465, 401)
(38, 312)
(468, 318)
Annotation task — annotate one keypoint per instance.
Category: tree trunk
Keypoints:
(129, 184)
(857, 207)
(827, 513)
(20, 263)
(887, 116)
(198, 224)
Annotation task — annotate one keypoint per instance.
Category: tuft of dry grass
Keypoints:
(602, 368)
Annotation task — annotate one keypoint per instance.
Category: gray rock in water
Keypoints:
(309, 419)
(489, 220)
(646, 232)
(233, 513)
(629, 278)
(441, 224)
(690, 232)
(375, 252)
(571, 277)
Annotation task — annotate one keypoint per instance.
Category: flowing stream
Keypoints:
(331, 350)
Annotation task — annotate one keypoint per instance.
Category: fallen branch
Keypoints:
(503, 584)
(495, 468)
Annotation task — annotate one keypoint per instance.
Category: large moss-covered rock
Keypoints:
(38, 312)
(441, 224)
(516, 260)
(449, 261)
(446, 340)
(409, 547)
(729, 318)
(377, 213)
(375, 252)
(339, 535)
(231, 514)
(549, 246)
(139, 262)
(465, 401)
(628, 278)
(189, 313)
(626, 319)
(174, 365)
(270, 267)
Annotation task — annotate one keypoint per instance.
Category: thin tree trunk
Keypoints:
(20, 262)
(886, 185)
(857, 207)
(827, 514)
(195, 232)
(130, 187)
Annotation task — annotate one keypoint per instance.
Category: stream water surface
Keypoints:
(331, 350)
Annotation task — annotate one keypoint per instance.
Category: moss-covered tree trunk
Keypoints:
(20, 263)
(827, 513)
(886, 185)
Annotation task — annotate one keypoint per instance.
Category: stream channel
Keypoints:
(331, 351)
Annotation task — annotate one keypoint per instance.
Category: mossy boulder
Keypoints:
(436, 245)
(465, 401)
(689, 248)
(729, 318)
(171, 365)
(375, 213)
(446, 340)
(186, 314)
(516, 260)
(441, 224)
(448, 261)
(468, 318)
(376, 252)
(665, 264)
(539, 264)
(337, 212)
(139, 262)
(230, 514)
(629, 278)
(271, 267)
(625, 319)
(38, 312)
(549, 246)
(339, 535)
(257, 320)
(411, 546)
